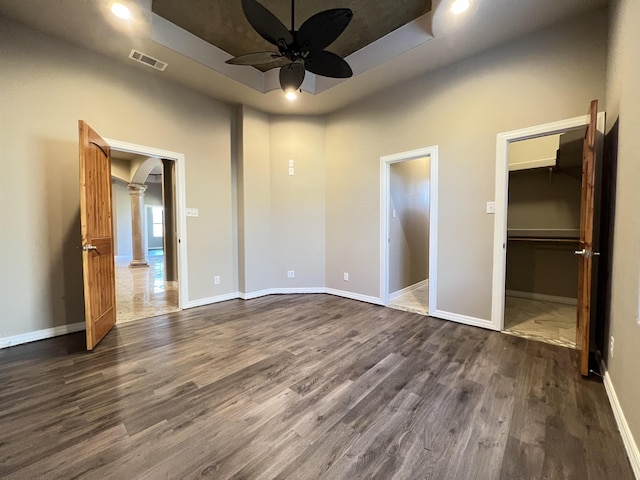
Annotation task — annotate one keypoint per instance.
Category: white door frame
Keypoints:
(183, 286)
(385, 185)
(501, 198)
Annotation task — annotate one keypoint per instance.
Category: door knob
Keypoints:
(86, 247)
(587, 253)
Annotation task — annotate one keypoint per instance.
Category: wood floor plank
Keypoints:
(302, 387)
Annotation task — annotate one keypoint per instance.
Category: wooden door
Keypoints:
(585, 266)
(97, 235)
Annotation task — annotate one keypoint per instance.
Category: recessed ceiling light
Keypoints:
(460, 6)
(120, 11)
(291, 96)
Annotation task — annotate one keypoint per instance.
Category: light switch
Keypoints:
(192, 212)
(491, 207)
(290, 170)
(291, 163)
(393, 213)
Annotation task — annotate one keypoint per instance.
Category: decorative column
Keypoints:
(137, 224)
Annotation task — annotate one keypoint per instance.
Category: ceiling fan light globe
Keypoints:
(121, 11)
(460, 6)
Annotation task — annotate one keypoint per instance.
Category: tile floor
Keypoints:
(544, 321)
(142, 292)
(415, 301)
(547, 322)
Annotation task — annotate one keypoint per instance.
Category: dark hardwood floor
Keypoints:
(302, 386)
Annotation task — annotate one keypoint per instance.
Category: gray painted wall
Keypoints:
(623, 113)
(461, 108)
(42, 286)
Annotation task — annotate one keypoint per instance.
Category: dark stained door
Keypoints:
(585, 267)
(97, 235)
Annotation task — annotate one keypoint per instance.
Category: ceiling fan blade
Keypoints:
(328, 64)
(322, 29)
(266, 24)
(291, 76)
(258, 58)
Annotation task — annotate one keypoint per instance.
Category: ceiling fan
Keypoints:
(301, 50)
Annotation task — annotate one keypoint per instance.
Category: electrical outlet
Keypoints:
(291, 274)
(346, 277)
(611, 344)
(216, 280)
(491, 207)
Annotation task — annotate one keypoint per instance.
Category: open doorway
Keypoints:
(537, 234)
(408, 195)
(149, 235)
(543, 232)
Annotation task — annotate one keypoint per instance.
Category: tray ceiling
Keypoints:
(424, 44)
(223, 24)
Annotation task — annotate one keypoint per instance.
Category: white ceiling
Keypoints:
(432, 41)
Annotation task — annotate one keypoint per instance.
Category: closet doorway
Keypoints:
(543, 232)
(585, 247)
(408, 209)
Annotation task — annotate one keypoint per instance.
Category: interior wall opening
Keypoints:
(409, 230)
(145, 236)
(543, 232)
(408, 220)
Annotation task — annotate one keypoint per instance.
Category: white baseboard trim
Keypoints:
(627, 437)
(542, 297)
(41, 334)
(456, 317)
(329, 291)
(280, 291)
(76, 327)
(354, 296)
(210, 300)
(410, 288)
(288, 291)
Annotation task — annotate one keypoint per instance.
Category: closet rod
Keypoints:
(545, 239)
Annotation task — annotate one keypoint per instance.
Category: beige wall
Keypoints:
(121, 169)
(254, 201)
(461, 108)
(539, 201)
(533, 150)
(280, 216)
(409, 228)
(623, 110)
(46, 86)
(122, 234)
(543, 202)
(297, 201)
(540, 267)
(152, 197)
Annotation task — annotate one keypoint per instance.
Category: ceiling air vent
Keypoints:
(147, 60)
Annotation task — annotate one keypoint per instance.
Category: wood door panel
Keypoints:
(97, 235)
(585, 266)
